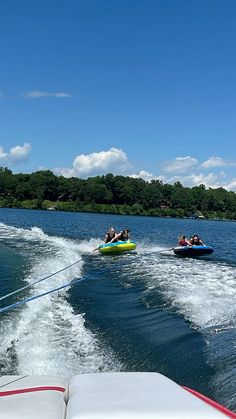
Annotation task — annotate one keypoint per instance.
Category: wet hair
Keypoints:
(111, 230)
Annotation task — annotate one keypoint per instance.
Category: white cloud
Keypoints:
(66, 172)
(103, 161)
(182, 169)
(98, 163)
(179, 165)
(231, 185)
(212, 180)
(17, 155)
(35, 94)
(147, 176)
(217, 162)
(2, 154)
(143, 175)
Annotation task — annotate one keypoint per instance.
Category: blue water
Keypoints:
(146, 311)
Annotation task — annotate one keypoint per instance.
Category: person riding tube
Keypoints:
(110, 235)
(121, 236)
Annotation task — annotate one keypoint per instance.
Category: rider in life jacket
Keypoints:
(121, 236)
(110, 235)
(196, 241)
(183, 241)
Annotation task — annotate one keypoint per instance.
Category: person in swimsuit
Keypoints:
(196, 241)
(121, 236)
(183, 241)
(110, 235)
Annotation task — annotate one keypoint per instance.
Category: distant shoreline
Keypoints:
(99, 209)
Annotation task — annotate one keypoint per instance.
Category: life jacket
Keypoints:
(183, 242)
(195, 242)
(123, 236)
(109, 236)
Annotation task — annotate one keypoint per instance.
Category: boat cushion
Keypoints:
(132, 396)
(36, 397)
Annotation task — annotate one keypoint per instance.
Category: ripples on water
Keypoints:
(149, 311)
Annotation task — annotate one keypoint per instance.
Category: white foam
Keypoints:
(88, 246)
(46, 335)
(202, 291)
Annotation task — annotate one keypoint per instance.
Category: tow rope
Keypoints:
(69, 284)
(36, 282)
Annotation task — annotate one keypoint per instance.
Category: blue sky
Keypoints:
(140, 88)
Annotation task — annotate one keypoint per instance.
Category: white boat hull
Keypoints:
(101, 396)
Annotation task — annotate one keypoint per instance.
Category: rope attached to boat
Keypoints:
(36, 282)
(12, 381)
(69, 284)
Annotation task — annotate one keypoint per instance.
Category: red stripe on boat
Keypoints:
(211, 402)
(31, 390)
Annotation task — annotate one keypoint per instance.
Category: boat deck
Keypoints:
(102, 396)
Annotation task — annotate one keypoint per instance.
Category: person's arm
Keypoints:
(117, 236)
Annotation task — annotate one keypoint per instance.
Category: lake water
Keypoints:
(144, 311)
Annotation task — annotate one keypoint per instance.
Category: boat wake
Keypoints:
(45, 336)
(203, 293)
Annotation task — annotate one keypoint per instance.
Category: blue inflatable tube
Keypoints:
(192, 251)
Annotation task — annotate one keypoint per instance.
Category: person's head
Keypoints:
(111, 231)
(195, 238)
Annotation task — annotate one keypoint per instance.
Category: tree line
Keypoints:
(113, 194)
